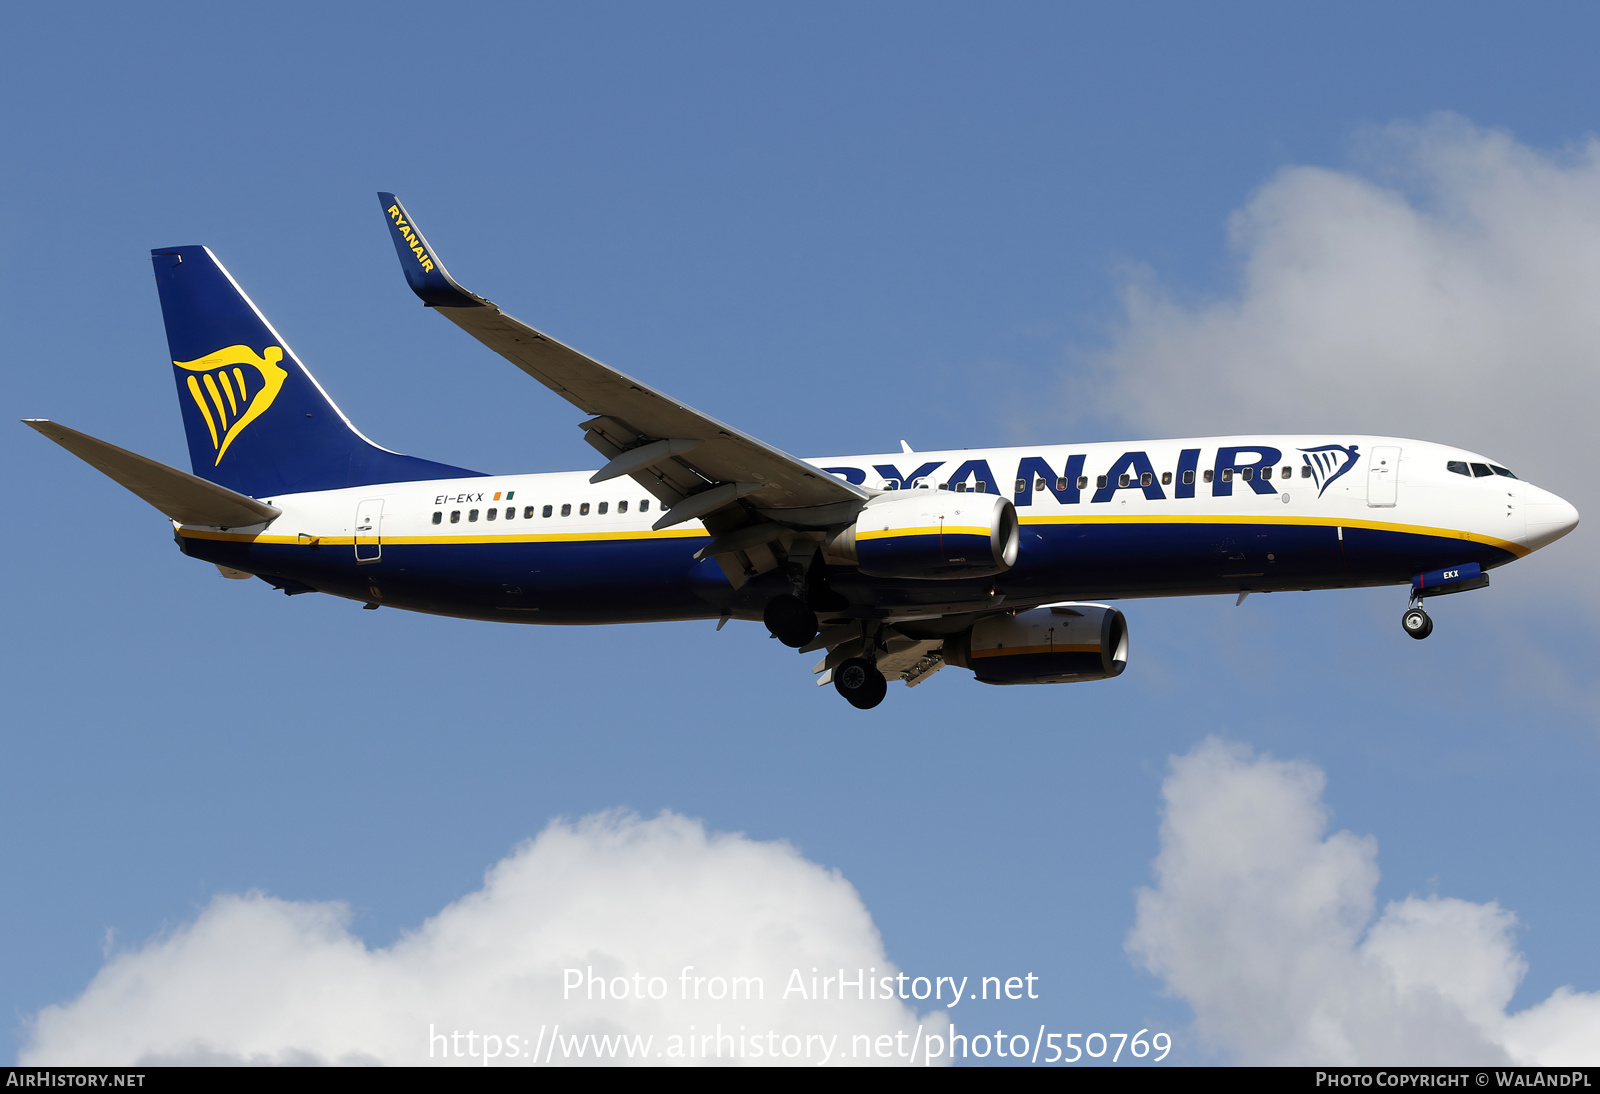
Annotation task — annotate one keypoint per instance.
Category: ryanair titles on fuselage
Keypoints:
(1252, 465)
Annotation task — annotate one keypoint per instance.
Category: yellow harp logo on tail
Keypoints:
(230, 398)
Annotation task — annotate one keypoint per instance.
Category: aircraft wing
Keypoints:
(697, 466)
(900, 656)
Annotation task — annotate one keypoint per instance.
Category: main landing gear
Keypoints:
(793, 621)
(860, 682)
(1417, 623)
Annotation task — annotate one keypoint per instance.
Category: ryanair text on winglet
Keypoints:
(411, 238)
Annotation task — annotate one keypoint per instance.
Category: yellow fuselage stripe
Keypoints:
(677, 533)
(561, 537)
(1297, 521)
(932, 530)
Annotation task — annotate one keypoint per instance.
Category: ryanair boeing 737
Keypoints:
(894, 565)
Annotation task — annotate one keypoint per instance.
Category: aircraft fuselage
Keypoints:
(1097, 521)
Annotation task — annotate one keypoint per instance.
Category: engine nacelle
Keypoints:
(937, 534)
(1055, 645)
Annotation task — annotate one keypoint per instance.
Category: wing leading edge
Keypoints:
(697, 466)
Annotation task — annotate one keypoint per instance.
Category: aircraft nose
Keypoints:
(1549, 517)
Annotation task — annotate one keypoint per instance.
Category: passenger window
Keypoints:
(622, 507)
(1266, 473)
(1481, 471)
(1146, 479)
(1248, 473)
(981, 487)
(1038, 485)
(1209, 475)
(438, 518)
(1188, 478)
(1061, 484)
(1227, 474)
(546, 511)
(527, 514)
(961, 488)
(472, 515)
(944, 486)
(1022, 487)
(1305, 471)
(455, 516)
(644, 506)
(1501, 471)
(566, 510)
(1083, 482)
(1286, 473)
(602, 509)
(1122, 480)
(1100, 481)
(493, 513)
(583, 509)
(1166, 478)
(511, 512)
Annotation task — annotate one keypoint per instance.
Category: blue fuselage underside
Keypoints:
(640, 580)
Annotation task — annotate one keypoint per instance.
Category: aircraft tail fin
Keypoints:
(256, 420)
(183, 497)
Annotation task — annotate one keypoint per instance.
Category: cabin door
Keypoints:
(1383, 473)
(369, 531)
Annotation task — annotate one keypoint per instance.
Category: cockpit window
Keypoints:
(1481, 471)
(1459, 467)
(1501, 471)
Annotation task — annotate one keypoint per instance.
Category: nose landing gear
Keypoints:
(1417, 623)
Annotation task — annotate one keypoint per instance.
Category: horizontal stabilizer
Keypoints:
(185, 498)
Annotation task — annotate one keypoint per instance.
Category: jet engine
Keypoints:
(937, 534)
(1059, 644)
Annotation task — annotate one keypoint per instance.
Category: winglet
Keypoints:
(424, 272)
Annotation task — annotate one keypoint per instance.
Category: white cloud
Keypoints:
(260, 980)
(1265, 925)
(1460, 303)
(1457, 303)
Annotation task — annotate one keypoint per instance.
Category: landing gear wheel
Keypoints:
(1417, 623)
(789, 620)
(860, 682)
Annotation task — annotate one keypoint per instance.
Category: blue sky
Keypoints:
(834, 228)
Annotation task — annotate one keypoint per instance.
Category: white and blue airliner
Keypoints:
(895, 564)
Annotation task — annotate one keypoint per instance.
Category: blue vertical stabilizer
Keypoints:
(256, 420)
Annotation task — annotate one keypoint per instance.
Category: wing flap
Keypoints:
(724, 454)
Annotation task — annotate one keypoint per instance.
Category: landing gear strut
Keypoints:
(860, 682)
(1417, 622)
(790, 620)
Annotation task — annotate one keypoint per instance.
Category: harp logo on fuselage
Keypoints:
(229, 397)
(1329, 462)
